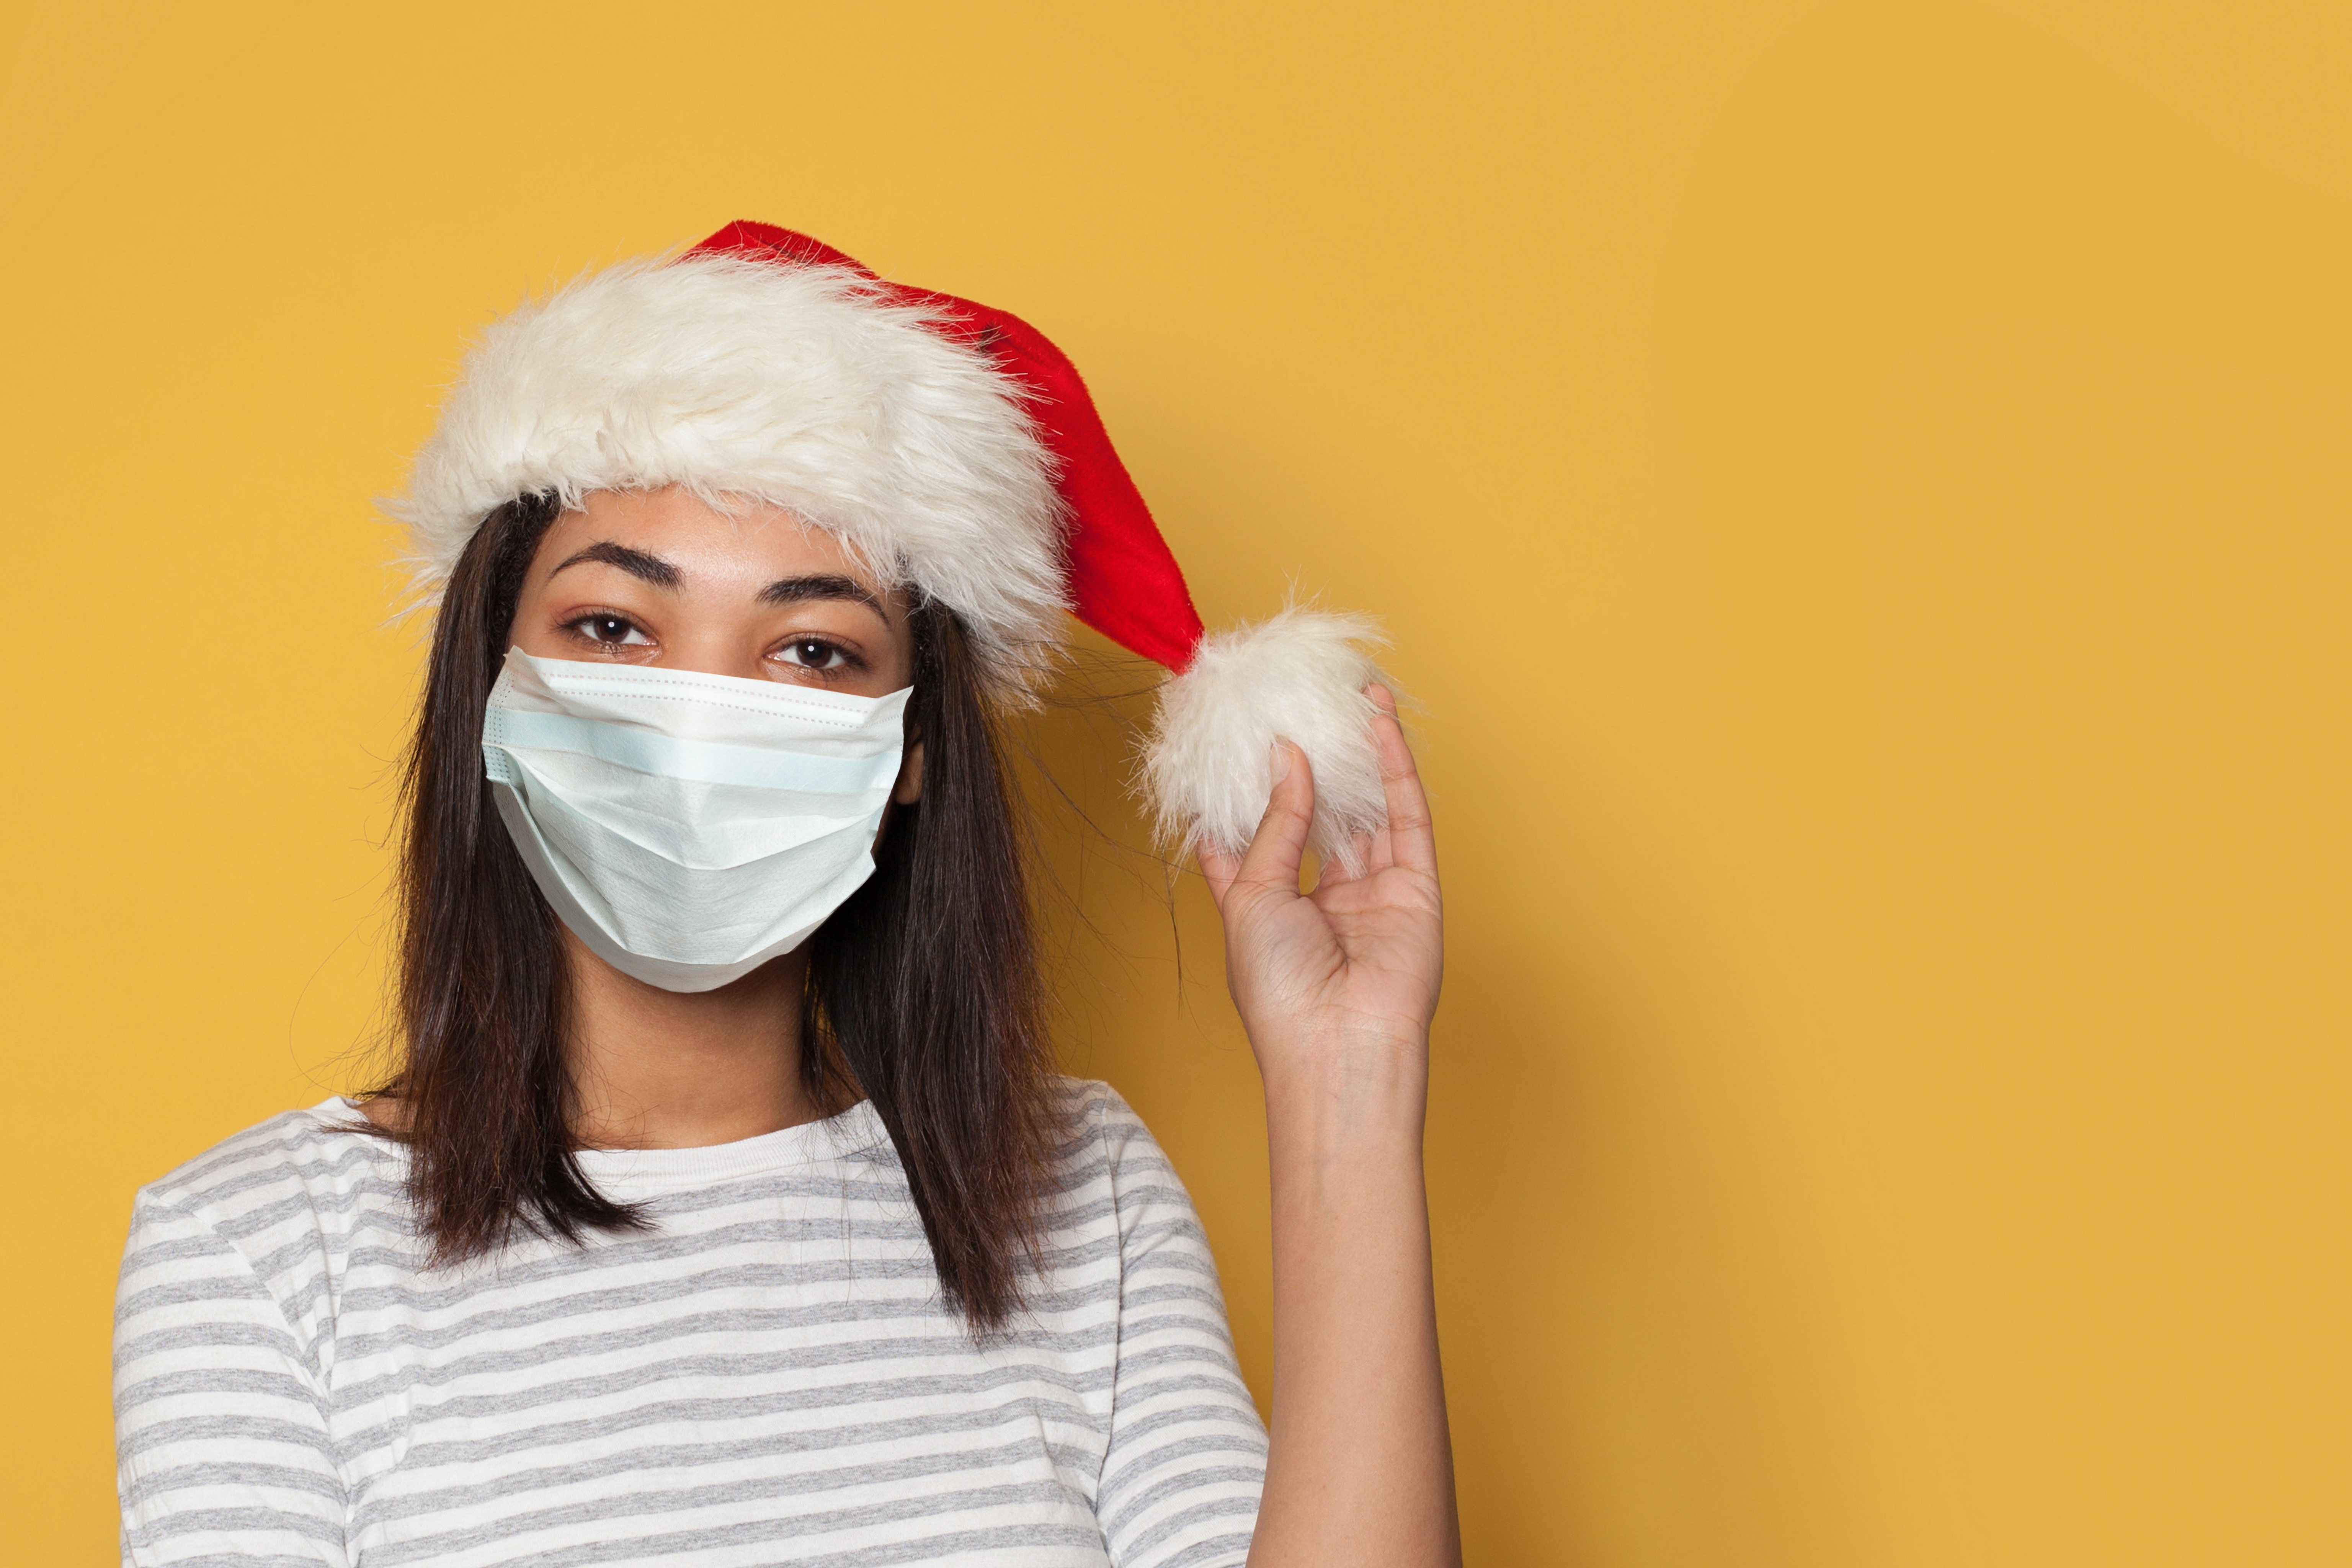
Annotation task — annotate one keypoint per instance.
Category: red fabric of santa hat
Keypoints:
(950, 445)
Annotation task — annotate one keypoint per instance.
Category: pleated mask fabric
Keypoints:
(688, 828)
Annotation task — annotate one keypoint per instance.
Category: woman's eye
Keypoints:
(813, 654)
(614, 631)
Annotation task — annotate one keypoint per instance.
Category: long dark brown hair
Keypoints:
(923, 993)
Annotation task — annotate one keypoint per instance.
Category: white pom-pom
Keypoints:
(1301, 676)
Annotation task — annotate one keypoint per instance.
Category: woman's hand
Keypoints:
(1337, 987)
(1353, 966)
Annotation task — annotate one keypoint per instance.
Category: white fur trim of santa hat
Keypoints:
(806, 387)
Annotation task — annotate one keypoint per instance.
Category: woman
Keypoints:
(726, 1209)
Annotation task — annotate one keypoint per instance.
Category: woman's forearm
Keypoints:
(1337, 988)
(1361, 1472)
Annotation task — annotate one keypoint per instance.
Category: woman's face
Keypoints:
(656, 577)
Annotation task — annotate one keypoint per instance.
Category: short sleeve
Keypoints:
(223, 1455)
(1186, 1460)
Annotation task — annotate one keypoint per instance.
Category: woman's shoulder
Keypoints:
(1098, 1114)
(249, 1238)
(320, 1156)
(1107, 1140)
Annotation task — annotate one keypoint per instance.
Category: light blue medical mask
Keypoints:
(688, 828)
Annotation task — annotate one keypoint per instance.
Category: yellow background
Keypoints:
(1860, 492)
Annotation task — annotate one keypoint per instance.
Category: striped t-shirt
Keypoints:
(766, 1377)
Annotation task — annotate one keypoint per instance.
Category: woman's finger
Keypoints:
(1272, 861)
(1412, 843)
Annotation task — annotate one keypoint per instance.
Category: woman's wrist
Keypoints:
(1339, 1091)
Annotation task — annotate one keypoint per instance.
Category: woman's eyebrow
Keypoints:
(636, 563)
(821, 585)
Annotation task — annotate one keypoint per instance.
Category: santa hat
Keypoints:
(952, 446)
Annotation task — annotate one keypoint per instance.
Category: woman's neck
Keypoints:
(668, 1069)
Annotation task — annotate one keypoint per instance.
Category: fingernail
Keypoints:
(1277, 762)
